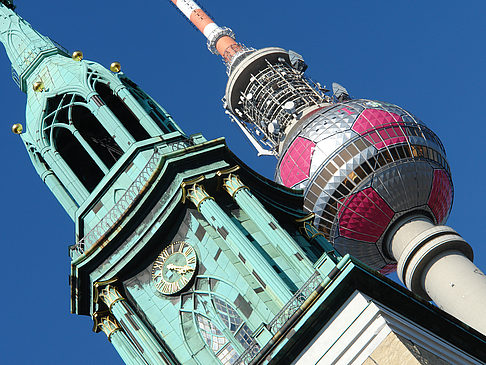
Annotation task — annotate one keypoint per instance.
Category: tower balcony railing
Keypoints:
(116, 213)
(295, 303)
(283, 316)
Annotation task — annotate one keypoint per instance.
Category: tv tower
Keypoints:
(182, 253)
(375, 176)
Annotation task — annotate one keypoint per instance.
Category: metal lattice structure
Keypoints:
(180, 144)
(250, 353)
(117, 212)
(274, 97)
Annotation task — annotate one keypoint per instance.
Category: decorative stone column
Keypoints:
(268, 225)
(99, 162)
(56, 187)
(313, 235)
(107, 323)
(147, 123)
(237, 241)
(151, 350)
(65, 174)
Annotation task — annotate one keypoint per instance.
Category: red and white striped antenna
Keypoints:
(221, 40)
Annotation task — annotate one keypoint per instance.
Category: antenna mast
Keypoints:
(220, 40)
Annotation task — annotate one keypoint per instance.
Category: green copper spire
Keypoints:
(83, 122)
(25, 47)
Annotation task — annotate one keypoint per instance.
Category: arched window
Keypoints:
(96, 135)
(77, 158)
(123, 113)
(81, 140)
(220, 325)
(149, 105)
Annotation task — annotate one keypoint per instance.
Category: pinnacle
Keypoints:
(25, 46)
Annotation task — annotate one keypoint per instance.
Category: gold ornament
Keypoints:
(115, 67)
(77, 55)
(38, 86)
(17, 128)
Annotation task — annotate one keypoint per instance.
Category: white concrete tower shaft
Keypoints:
(435, 262)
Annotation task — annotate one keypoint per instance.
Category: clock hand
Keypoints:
(188, 268)
(180, 269)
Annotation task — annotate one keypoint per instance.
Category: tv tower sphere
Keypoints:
(375, 178)
(362, 165)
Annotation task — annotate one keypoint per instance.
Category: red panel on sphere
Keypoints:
(441, 195)
(295, 165)
(388, 269)
(364, 216)
(388, 123)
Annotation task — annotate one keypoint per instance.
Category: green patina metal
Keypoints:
(240, 246)
(129, 182)
(66, 92)
(283, 243)
(134, 184)
(226, 270)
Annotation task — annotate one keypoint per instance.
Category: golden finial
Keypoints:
(17, 128)
(38, 86)
(77, 55)
(115, 67)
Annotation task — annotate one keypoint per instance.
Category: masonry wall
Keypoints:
(221, 275)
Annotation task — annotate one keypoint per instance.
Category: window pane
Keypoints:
(213, 336)
(244, 336)
(229, 316)
(228, 355)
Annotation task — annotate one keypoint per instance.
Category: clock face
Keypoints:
(174, 268)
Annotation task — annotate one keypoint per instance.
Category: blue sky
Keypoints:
(426, 56)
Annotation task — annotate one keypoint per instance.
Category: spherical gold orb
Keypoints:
(115, 67)
(17, 128)
(38, 86)
(77, 55)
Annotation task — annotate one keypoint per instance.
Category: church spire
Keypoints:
(25, 47)
(83, 121)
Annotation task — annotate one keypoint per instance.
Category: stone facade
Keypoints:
(396, 350)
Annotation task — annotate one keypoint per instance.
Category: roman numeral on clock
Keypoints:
(189, 251)
(191, 260)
